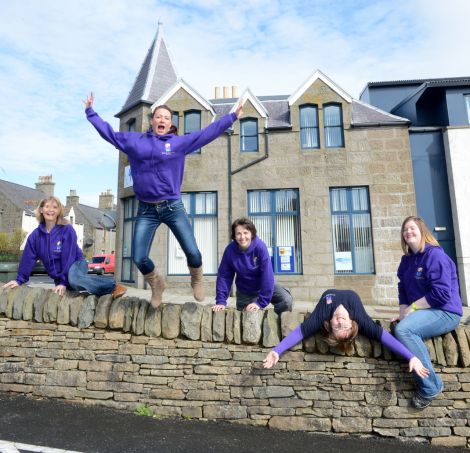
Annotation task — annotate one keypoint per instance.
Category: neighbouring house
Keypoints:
(326, 178)
(439, 135)
(99, 224)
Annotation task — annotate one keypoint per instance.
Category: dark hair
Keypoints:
(173, 130)
(343, 344)
(163, 106)
(245, 223)
(60, 216)
(426, 235)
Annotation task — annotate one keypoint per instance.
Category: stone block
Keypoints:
(102, 311)
(63, 309)
(300, 424)
(130, 311)
(140, 313)
(451, 351)
(214, 353)
(440, 355)
(229, 326)
(51, 307)
(237, 327)
(116, 313)
(274, 391)
(271, 329)
(191, 317)
(352, 425)
(75, 309)
(206, 323)
(87, 312)
(218, 325)
(224, 412)
(252, 322)
(463, 346)
(153, 322)
(171, 321)
(66, 378)
(363, 346)
(290, 321)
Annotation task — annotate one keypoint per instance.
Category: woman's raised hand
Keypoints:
(89, 100)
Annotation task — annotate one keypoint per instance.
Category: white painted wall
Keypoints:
(457, 149)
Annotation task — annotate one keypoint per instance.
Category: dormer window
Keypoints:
(333, 126)
(249, 135)
(309, 136)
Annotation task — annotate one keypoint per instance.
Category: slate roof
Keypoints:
(94, 216)
(25, 198)
(279, 113)
(156, 76)
(441, 81)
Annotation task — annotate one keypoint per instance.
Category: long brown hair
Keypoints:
(343, 344)
(61, 215)
(426, 235)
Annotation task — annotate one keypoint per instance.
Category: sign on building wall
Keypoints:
(127, 176)
(285, 259)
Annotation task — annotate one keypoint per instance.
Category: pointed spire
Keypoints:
(156, 76)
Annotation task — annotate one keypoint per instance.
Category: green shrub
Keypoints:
(10, 244)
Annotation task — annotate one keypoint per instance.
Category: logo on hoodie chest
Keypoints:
(167, 151)
(58, 247)
(419, 273)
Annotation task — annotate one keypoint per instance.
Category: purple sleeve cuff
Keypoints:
(291, 340)
(395, 346)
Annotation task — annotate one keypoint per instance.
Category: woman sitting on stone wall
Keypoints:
(340, 316)
(430, 304)
(54, 242)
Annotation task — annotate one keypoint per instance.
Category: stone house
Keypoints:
(99, 224)
(326, 178)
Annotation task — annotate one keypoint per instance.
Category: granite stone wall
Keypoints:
(186, 361)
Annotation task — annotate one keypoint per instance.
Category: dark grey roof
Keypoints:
(444, 81)
(367, 115)
(25, 198)
(279, 113)
(94, 216)
(156, 76)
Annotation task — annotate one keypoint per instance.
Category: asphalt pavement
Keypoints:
(26, 423)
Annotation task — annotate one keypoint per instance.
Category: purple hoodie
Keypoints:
(57, 250)
(253, 269)
(157, 161)
(431, 274)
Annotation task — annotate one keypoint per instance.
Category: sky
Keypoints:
(53, 52)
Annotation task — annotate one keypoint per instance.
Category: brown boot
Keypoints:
(118, 291)
(197, 282)
(157, 285)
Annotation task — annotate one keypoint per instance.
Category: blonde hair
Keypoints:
(426, 235)
(343, 344)
(61, 215)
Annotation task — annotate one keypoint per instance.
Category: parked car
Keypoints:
(38, 268)
(102, 264)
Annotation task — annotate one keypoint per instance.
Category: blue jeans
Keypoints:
(282, 299)
(417, 327)
(79, 280)
(149, 217)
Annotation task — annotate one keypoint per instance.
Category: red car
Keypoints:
(102, 264)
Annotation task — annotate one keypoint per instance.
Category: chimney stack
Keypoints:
(106, 201)
(72, 199)
(46, 185)
(217, 93)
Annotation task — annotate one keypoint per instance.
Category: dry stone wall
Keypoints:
(185, 360)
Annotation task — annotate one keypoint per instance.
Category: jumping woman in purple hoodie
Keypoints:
(54, 242)
(157, 164)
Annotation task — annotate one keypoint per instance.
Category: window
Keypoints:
(309, 136)
(277, 218)
(467, 102)
(192, 122)
(249, 135)
(175, 120)
(333, 125)
(130, 212)
(202, 212)
(131, 125)
(352, 230)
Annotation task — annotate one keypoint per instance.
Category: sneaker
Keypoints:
(118, 291)
(420, 402)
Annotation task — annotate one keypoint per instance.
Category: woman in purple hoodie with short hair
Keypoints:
(54, 242)
(157, 160)
(247, 259)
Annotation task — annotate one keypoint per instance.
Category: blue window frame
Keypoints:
(130, 206)
(333, 125)
(192, 123)
(309, 133)
(353, 250)
(175, 120)
(248, 135)
(201, 208)
(276, 214)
